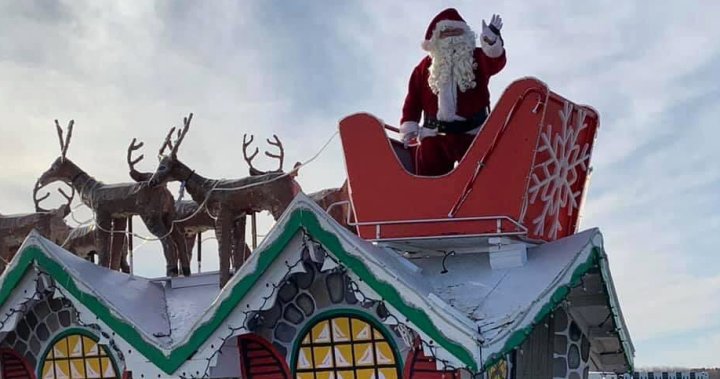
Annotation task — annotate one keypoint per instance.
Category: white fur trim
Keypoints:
(442, 25)
(492, 51)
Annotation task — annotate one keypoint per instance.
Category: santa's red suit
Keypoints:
(441, 147)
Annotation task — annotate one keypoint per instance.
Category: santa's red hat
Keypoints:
(449, 18)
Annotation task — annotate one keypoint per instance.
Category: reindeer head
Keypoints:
(167, 169)
(62, 169)
(284, 187)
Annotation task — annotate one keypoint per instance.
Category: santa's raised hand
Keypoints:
(490, 33)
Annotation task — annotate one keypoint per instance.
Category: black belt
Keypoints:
(457, 127)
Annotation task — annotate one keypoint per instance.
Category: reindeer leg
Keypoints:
(178, 239)
(190, 243)
(238, 253)
(102, 238)
(158, 229)
(223, 227)
(118, 242)
(4, 255)
(124, 265)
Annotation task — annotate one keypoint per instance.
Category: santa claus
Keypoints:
(449, 89)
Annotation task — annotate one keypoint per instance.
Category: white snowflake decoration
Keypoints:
(553, 184)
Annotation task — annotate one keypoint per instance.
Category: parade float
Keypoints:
(479, 273)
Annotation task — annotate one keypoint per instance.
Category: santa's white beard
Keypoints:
(452, 69)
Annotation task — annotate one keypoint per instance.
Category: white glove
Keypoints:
(490, 33)
(408, 131)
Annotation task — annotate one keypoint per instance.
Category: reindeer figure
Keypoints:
(188, 217)
(336, 201)
(77, 240)
(113, 204)
(49, 223)
(229, 200)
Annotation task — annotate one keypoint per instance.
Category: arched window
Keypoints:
(75, 354)
(345, 347)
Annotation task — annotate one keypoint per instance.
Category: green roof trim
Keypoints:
(300, 219)
(596, 258)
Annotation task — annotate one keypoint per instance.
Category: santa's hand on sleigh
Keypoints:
(490, 33)
(409, 132)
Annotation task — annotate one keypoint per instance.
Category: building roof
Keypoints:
(473, 314)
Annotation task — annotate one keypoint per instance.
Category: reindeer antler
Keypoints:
(134, 145)
(281, 155)
(135, 174)
(64, 144)
(37, 200)
(248, 159)
(167, 143)
(181, 134)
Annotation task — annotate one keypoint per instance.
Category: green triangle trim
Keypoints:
(300, 219)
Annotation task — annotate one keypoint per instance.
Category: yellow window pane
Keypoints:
(304, 360)
(388, 373)
(361, 330)
(343, 355)
(107, 367)
(498, 370)
(77, 368)
(91, 347)
(75, 346)
(305, 375)
(60, 349)
(346, 374)
(384, 353)
(364, 354)
(47, 371)
(325, 375)
(341, 329)
(366, 373)
(378, 335)
(62, 369)
(321, 332)
(306, 340)
(323, 357)
(92, 366)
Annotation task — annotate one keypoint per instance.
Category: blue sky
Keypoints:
(134, 68)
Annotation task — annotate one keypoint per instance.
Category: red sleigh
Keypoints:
(525, 174)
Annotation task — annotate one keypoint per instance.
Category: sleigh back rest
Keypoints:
(500, 187)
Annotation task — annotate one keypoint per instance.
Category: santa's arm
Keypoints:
(412, 108)
(491, 66)
(493, 47)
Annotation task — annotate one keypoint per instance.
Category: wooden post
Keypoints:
(199, 249)
(129, 237)
(253, 223)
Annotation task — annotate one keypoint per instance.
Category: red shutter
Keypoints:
(260, 360)
(14, 366)
(419, 366)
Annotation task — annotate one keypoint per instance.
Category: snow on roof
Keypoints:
(490, 296)
(163, 309)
